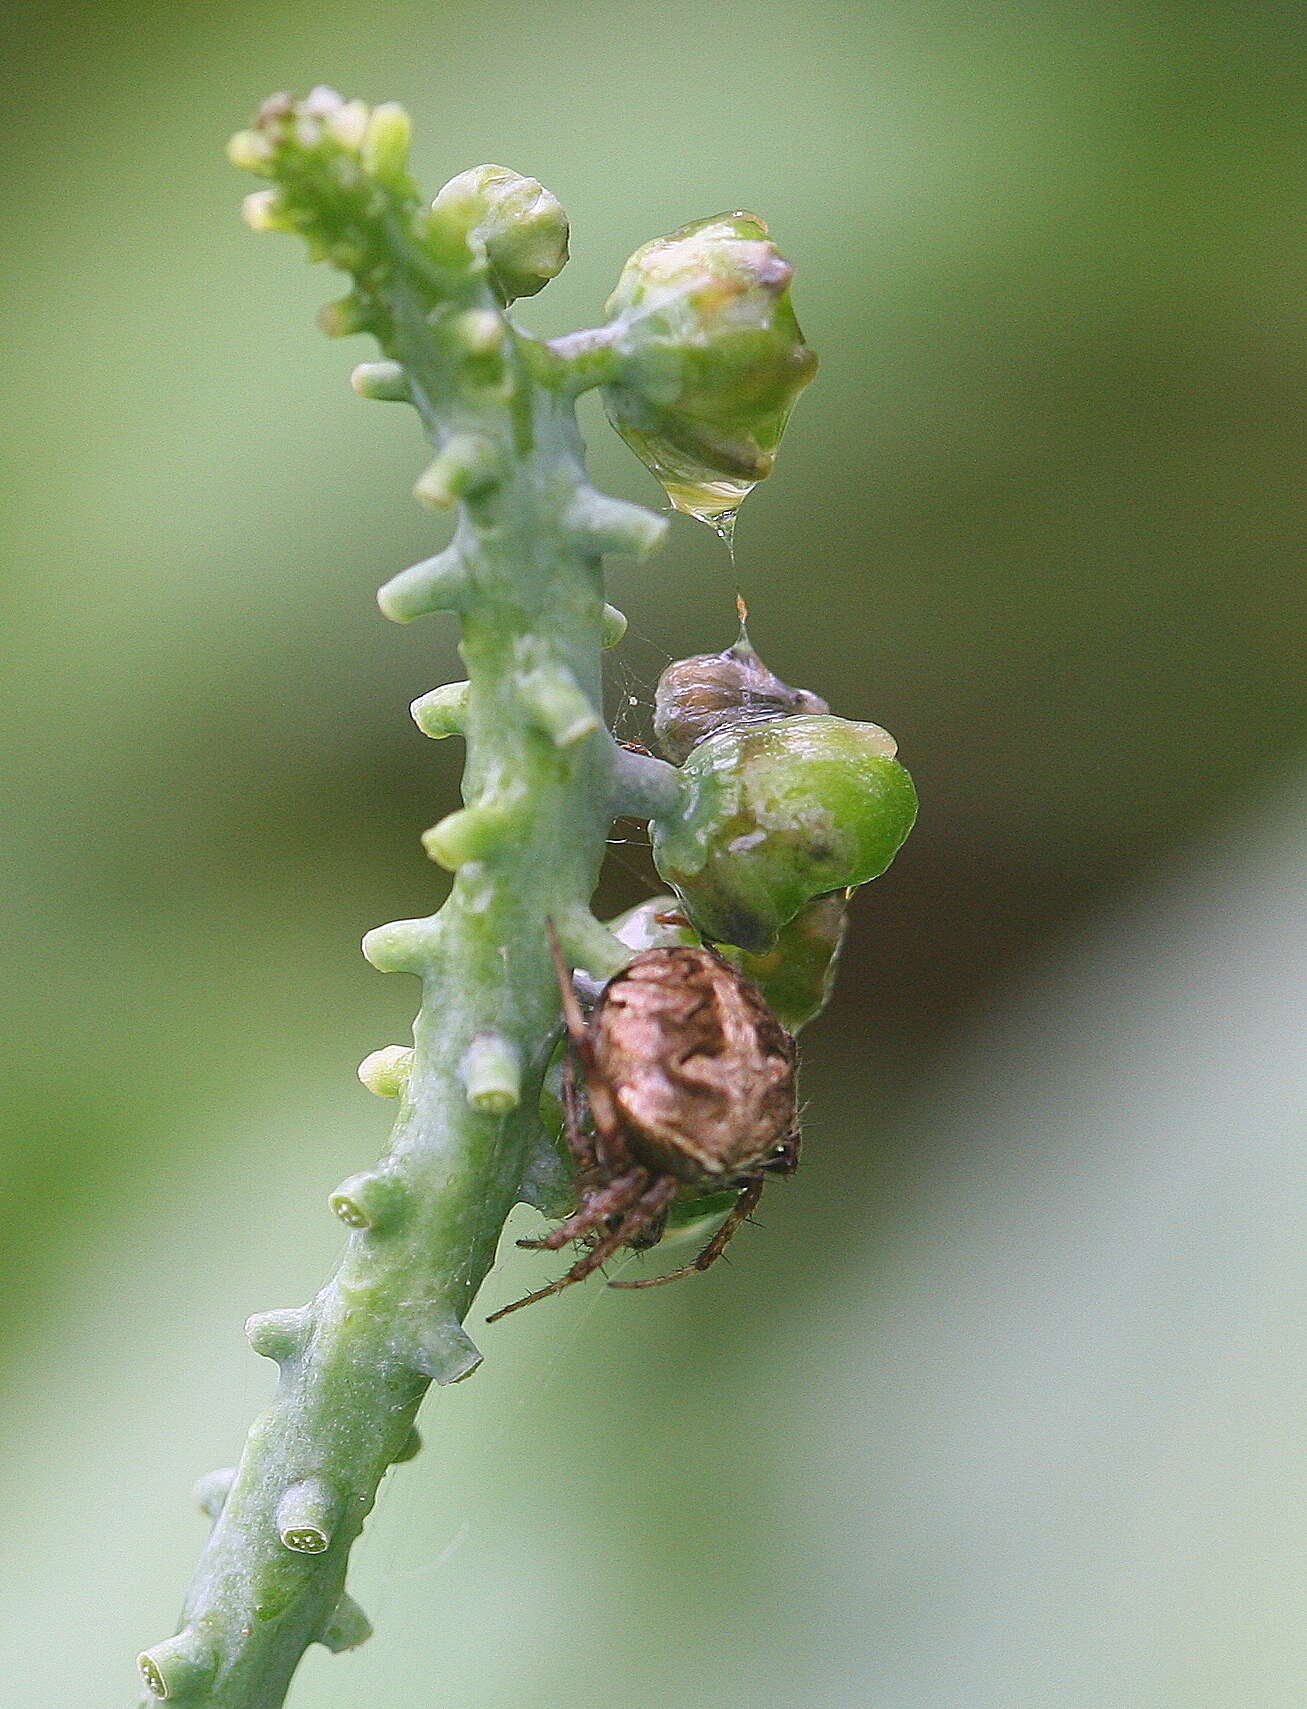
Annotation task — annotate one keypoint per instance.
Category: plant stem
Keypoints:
(524, 573)
(700, 362)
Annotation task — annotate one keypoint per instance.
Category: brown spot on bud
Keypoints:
(697, 697)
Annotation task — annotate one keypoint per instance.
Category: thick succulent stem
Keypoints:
(524, 574)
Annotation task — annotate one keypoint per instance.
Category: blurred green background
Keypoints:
(1005, 1406)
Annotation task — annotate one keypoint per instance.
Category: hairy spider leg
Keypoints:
(651, 1203)
(579, 1142)
(743, 1207)
(603, 1202)
(610, 1148)
(573, 1019)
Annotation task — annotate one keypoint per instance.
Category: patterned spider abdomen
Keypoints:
(700, 1071)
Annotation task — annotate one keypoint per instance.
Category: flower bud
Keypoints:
(384, 143)
(780, 813)
(721, 691)
(711, 360)
(519, 224)
(797, 973)
(337, 168)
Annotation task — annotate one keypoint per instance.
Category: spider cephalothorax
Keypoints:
(690, 1081)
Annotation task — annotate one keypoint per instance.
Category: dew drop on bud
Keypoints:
(710, 361)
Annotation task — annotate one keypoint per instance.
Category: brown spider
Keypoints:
(690, 1082)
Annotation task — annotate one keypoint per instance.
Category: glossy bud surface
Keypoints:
(779, 813)
(711, 360)
(519, 224)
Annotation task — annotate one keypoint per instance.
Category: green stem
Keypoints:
(589, 357)
(525, 576)
(647, 788)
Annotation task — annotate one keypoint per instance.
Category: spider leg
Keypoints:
(617, 1196)
(744, 1206)
(786, 1160)
(573, 1019)
(650, 1203)
(579, 1142)
(611, 1148)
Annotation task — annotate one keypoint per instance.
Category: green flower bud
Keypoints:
(521, 228)
(780, 813)
(338, 169)
(796, 975)
(710, 359)
(383, 144)
(721, 691)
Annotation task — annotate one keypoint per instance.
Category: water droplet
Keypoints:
(714, 503)
(723, 527)
(691, 484)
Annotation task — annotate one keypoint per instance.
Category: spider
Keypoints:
(690, 1080)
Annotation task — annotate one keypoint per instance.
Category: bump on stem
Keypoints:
(491, 1072)
(436, 584)
(347, 1628)
(467, 466)
(385, 144)
(308, 1514)
(385, 1072)
(180, 1669)
(552, 697)
(444, 1352)
(279, 1335)
(410, 1448)
(600, 524)
(472, 833)
(346, 317)
(372, 1199)
(589, 945)
(402, 946)
(614, 625)
(442, 711)
(382, 382)
(211, 1491)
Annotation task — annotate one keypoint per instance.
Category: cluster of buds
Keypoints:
(710, 360)
(341, 180)
(787, 810)
(338, 168)
(703, 356)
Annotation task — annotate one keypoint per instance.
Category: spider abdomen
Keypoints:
(701, 1073)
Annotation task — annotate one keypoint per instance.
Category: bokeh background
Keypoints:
(1005, 1406)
